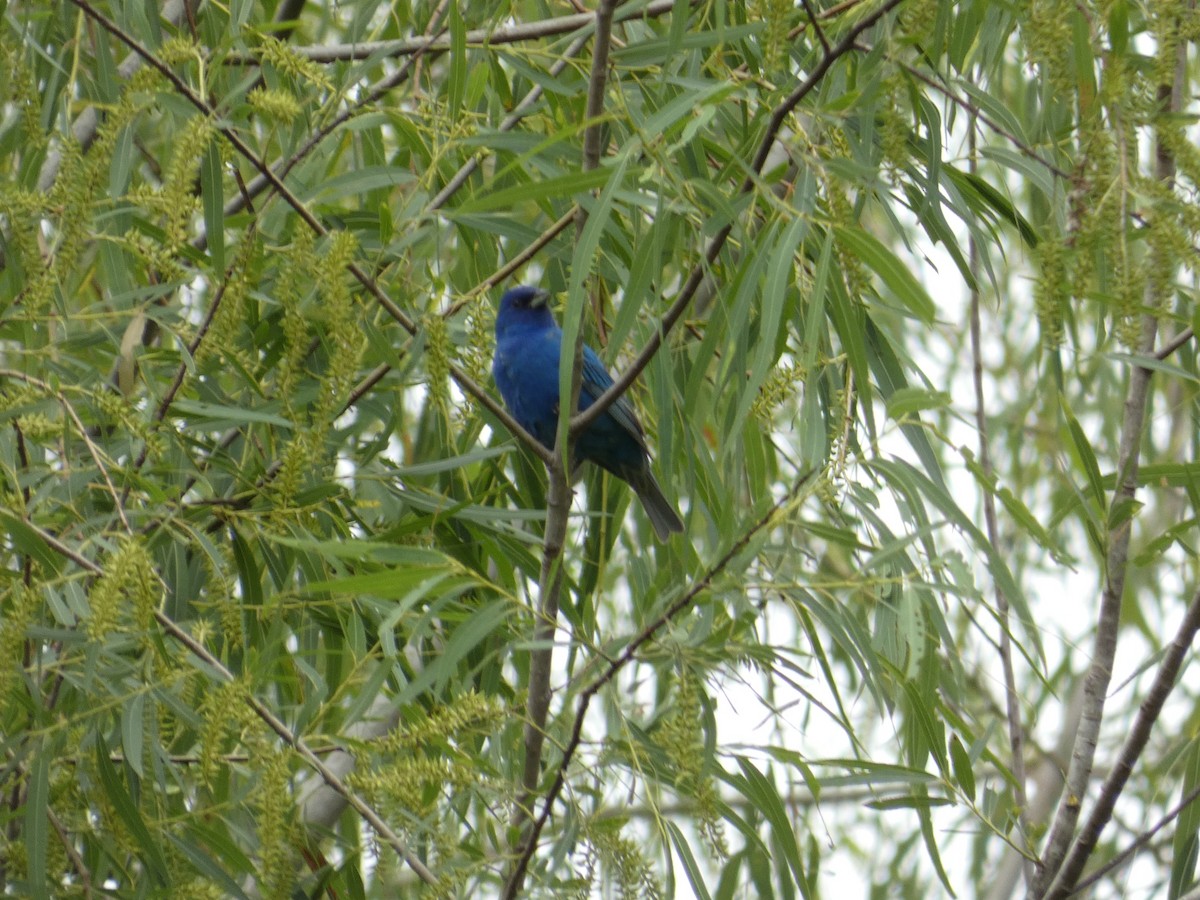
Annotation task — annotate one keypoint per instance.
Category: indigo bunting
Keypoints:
(528, 344)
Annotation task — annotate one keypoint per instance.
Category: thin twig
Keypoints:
(622, 660)
(555, 229)
(974, 110)
(459, 178)
(1173, 344)
(1012, 705)
(812, 17)
(1138, 843)
(77, 863)
(778, 116)
(168, 398)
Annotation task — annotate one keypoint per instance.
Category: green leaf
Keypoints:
(219, 416)
(1185, 845)
(212, 195)
(964, 772)
(761, 792)
(684, 851)
(884, 263)
(123, 804)
(905, 401)
(36, 822)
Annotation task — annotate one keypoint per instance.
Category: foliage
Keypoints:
(923, 275)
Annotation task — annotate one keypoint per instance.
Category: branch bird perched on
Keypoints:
(528, 345)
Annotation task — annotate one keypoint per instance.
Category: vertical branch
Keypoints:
(1132, 425)
(1016, 731)
(558, 505)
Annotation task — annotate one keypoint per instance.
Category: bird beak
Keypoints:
(539, 299)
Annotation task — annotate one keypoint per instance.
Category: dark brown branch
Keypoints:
(816, 25)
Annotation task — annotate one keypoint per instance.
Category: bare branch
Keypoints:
(480, 37)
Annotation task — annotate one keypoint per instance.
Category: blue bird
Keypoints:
(528, 344)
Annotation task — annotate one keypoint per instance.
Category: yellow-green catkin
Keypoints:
(275, 826)
(683, 742)
(438, 355)
(277, 105)
(399, 768)
(226, 716)
(19, 606)
(76, 190)
(1050, 290)
(896, 122)
(481, 323)
(841, 212)
(224, 330)
(288, 61)
(341, 335)
(1050, 41)
(774, 14)
(779, 387)
(127, 583)
(623, 860)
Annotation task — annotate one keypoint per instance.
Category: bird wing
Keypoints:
(595, 382)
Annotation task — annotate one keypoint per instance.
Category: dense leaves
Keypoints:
(922, 275)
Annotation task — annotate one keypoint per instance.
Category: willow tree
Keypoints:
(904, 294)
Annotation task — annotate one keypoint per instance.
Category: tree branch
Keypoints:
(1135, 743)
(558, 506)
(479, 37)
(1012, 705)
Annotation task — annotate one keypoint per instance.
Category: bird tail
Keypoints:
(658, 508)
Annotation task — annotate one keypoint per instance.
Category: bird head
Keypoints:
(524, 307)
